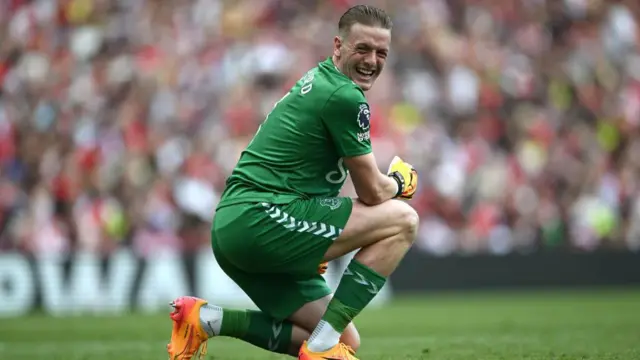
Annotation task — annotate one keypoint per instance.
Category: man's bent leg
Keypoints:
(253, 327)
(272, 251)
(308, 317)
(384, 233)
(278, 295)
(195, 322)
(261, 330)
(368, 225)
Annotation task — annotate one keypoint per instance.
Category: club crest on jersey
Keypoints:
(332, 203)
(364, 116)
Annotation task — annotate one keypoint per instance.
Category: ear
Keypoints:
(337, 45)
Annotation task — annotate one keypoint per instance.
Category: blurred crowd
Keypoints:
(120, 119)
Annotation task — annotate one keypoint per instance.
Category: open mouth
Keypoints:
(365, 73)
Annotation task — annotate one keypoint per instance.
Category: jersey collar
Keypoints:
(329, 64)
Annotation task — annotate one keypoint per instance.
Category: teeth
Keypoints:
(365, 72)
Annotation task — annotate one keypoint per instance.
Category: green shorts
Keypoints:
(273, 251)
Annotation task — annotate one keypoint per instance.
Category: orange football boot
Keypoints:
(187, 336)
(338, 352)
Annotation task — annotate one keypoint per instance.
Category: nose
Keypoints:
(370, 59)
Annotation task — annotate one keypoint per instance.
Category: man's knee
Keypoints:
(398, 214)
(407, 218)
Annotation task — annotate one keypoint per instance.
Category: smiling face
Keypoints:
(361, 53)
(361, 48)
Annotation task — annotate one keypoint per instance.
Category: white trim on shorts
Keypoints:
(290, 223)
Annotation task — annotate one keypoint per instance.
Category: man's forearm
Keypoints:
(386, 188)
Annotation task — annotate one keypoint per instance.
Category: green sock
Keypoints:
(258, 329)
(358, 286)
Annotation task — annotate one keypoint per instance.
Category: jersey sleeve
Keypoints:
(347, 117)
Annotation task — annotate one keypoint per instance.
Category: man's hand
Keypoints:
(406, 177)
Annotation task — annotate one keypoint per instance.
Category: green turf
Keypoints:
(597, 325)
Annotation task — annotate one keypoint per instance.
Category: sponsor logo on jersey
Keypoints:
(364, 136)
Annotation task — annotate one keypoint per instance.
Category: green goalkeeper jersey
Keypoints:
(297, 152)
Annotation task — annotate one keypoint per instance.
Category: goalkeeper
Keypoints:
(280, 216)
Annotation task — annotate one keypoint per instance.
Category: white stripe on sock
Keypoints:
(323, 338)
(211, 319)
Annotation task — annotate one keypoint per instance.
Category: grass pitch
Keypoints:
(569, 325)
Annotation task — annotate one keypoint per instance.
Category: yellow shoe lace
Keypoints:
(203, 350)
(347, 348)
